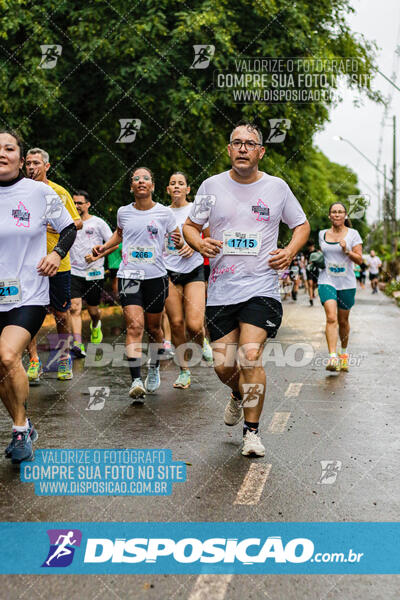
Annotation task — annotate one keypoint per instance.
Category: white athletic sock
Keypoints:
(343, 351)
(333, 354)
(21, 428)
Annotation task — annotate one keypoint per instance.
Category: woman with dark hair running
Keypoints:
(186, 301)
(142, 276)
(27, 207)
(341, 246)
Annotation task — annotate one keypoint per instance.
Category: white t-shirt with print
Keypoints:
(26, 208)
(143, 233)
(339, 271)
(374, 262)
(172, 260)
(95, 231)
(246, 218)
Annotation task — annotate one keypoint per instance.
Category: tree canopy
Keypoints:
(133, 61)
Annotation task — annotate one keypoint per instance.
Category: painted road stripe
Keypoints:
(279, 422)
(253, 484)
(293, 390)
(210, 587)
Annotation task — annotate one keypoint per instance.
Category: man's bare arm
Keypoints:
(207, 246)
(282, 257)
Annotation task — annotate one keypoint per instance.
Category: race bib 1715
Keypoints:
(241, 243)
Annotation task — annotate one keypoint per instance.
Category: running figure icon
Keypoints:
(62, 549)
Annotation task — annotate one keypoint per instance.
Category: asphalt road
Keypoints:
(349, 420)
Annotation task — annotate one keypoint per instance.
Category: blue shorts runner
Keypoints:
(345, 298)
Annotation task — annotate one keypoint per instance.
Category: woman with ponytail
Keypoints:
(341, 246)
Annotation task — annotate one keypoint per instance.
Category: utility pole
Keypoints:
(385, 209)
(379, 201)
(394, 183)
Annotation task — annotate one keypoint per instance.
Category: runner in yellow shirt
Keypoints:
(37, 166)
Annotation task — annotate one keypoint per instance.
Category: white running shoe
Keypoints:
(252, 444)
(152, 381)
(137, 390)
(168, 349)
(233, 411)
(207, 351)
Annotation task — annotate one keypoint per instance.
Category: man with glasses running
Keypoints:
(244, 207)
(37, 167)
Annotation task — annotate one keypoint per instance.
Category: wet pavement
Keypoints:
(349, 420)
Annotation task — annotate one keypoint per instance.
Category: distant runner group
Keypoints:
(53, 251)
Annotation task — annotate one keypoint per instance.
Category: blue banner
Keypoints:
(184, 548)
(103, 472)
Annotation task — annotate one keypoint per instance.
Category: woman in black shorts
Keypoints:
(142, 276)
(185, 304)
(27, 206)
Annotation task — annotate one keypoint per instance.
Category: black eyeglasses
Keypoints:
(248, 144)
(79, 203)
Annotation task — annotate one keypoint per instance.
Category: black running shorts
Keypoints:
(29, 317)
(184, 278)
(151, 294)
(90, 291)
(260, 311)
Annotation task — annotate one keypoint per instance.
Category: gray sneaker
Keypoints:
(233, 411)
(33, 434)
(21, 447)
(152, 381)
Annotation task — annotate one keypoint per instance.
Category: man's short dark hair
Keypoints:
(82, 193)
(251, 127)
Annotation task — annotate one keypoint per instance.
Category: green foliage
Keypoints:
(132, 60)
(393, 286)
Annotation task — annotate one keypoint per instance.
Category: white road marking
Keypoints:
(210, 587)
(279, 422)
(253, 484)
(293, 390)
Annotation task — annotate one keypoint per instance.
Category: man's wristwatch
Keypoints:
(60, 251)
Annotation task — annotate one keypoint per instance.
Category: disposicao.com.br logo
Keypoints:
(199, 548)
(247, 551)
